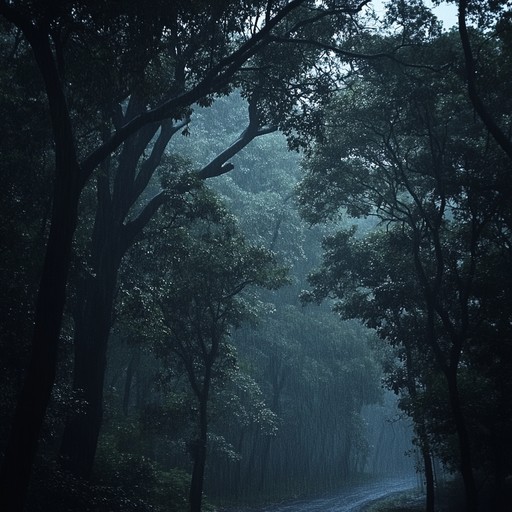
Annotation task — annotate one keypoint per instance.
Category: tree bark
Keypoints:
(199, 456)
(92, 329)
(429, 477)
(93, 314)
(466, 466)
(419, 422)
(40, 374)
(490, 123)
(93, 320)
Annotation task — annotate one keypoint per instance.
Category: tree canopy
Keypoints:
(169, 171)
(403, 145)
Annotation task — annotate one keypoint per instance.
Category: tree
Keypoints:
(407, 151)
(198, 293)
(57, 33)
(25, 167)
(115, 230)
(376, 284)
(319, 441)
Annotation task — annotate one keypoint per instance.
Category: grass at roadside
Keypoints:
(409, 501)
(449, 498)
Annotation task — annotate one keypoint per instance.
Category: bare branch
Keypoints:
(219, 165)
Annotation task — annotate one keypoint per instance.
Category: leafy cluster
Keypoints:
(403, 145)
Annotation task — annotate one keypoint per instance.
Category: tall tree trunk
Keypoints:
(40, 375)
(499, 135)
(92, 329)
(82, 431)
(466, 467)
(419, 421)
(93, 317)
(199, 456)
(95, 302)
(429, 476)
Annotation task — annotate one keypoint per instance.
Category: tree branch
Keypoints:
(219, 165)
(498, 135)
(216, 78)
(167, 130)
(134, 227)
(355, 55)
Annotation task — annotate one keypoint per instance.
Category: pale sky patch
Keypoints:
(445, 12)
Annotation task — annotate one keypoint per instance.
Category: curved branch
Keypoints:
(498, 134)
(167, 131)
(134, 227)
(219, 165)
(216, 78)
(356, 55)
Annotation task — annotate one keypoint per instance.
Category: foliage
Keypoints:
(405, 147)
(54, 488)
(284, 352)
(121, 80)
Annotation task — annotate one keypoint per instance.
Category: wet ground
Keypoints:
(353, 499)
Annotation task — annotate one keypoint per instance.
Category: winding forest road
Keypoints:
(352, 499)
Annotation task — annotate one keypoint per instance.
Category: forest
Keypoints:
(255, 251)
